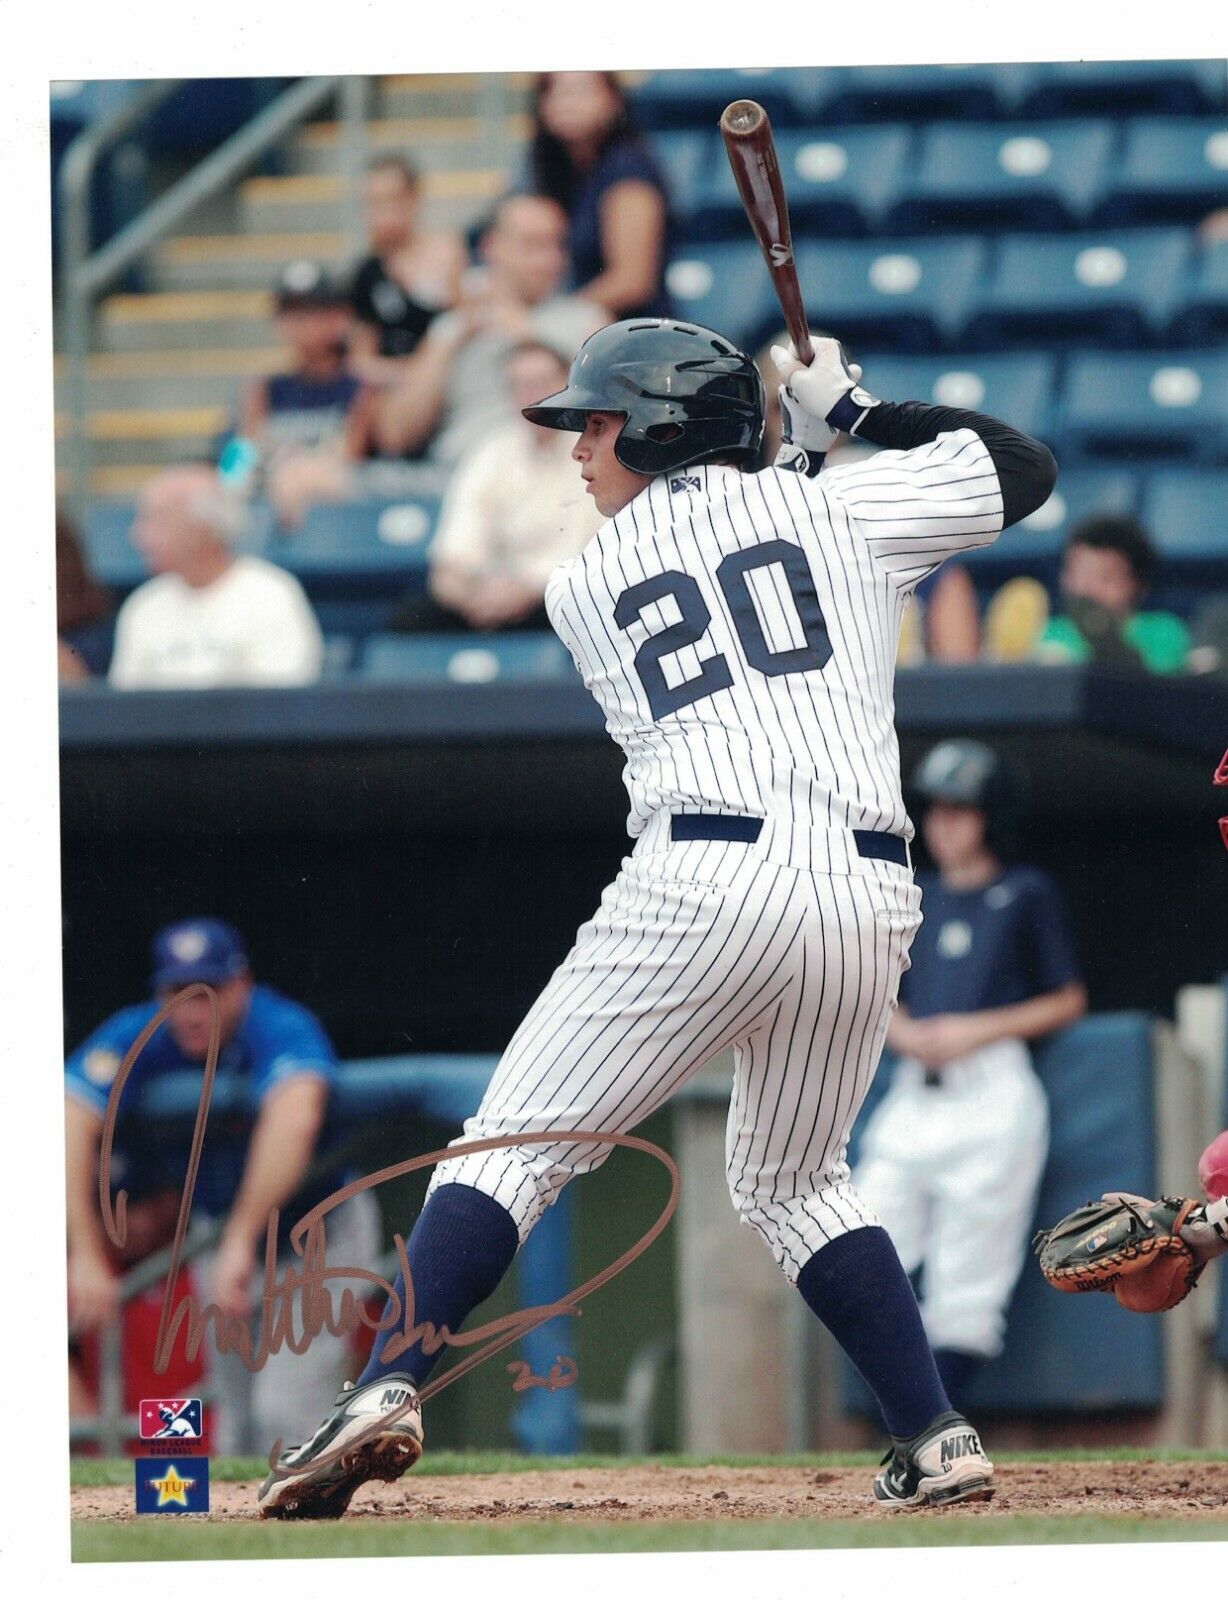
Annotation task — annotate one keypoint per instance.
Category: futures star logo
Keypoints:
(172, 1487)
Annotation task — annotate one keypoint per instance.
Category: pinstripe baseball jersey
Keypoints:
(739, 632)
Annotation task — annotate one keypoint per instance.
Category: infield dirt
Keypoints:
(1166, 1490)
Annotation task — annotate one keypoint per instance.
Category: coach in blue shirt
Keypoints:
(952, 1156)
(269, 1121)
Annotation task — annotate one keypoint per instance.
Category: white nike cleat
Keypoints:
(381, 1453)
(941, 1466)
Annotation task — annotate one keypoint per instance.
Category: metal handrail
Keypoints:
(86, 274)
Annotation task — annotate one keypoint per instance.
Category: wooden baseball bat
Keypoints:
(747, 132)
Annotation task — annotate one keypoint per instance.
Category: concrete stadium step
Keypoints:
(312, 202)
(158, 378)
(434, 144)
(214, 319)
(450, 93)
(240, 261)
(138, 435)
(113, 483)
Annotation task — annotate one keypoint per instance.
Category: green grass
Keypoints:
(176, 1540)
(89, 1472)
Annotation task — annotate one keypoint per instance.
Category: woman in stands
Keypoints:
(409, 277)
(587, 155)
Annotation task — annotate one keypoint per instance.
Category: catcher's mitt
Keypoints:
(1124, 1244)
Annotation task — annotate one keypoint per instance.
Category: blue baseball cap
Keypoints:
(201, 950)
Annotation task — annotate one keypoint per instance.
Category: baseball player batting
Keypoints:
(738, 629)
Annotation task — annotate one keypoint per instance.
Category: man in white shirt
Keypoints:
(451, 392)
(514, 510)
(208, 618)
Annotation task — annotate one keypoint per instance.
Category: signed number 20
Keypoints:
(695, 618)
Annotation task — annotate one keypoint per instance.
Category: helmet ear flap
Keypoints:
(663, 432)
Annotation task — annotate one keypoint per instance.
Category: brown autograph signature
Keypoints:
(308, 1239)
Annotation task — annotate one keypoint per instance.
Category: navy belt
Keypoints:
(714, 825)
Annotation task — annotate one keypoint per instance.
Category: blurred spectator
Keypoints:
(208, 617)
(309, 422)
(1107, 568)
(82, 607)
(514, 510)
(952, 1156)
(277, 1065)
(406, 280)
(453, 387)
(587, 155)
(1209, 637)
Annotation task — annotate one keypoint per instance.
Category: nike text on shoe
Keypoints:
(941, 1466)
(383, 1453)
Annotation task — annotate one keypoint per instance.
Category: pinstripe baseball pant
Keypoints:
(698, 945)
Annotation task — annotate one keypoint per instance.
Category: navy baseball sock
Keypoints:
(458, 1252)
(857, 1288)
(957, 1368)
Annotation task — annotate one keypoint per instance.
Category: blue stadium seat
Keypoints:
(1074, 1352)
(838, 180)
(726, 287)
(1105, 288)
(465, 657)
(109, 551)
(1017, 388)
(114, 559)
(1033, 547)
(1039, 175)
(369, 548)
(339, 653)
(1063, 88)
(696, 98)
(684, 156)
(1187, 516)
(1201, 312)
(881, 94)
(910, 294)
(1171, 170)
(1147, 406)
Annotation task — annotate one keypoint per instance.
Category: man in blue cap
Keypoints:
(275, 1068)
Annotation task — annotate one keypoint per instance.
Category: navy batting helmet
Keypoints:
(965, 773)
(687, 393)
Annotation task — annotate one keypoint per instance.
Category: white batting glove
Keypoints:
(820, 400)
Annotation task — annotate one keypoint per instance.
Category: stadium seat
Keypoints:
(1140, 406)
(1108, 288)
(106, 534)
(1187, 516)
(1171, 170)
(696, 98)
(1033, 547)
(881, 94)
(839, 181)
(1064, 88)
(465, 658)
(1073, 1352)
(684, 156)
(909, 294)
(1201, 312)
(339, 655)
(1017, 388)
(369, 548)
(724, 286)
(1039, 175)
